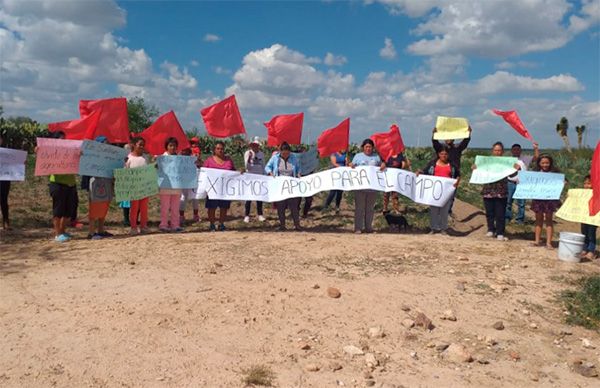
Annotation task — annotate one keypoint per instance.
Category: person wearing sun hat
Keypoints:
(254, 162)
(100, 194)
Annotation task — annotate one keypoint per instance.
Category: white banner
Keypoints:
(231, 185)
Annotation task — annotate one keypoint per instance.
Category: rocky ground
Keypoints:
(321, 308)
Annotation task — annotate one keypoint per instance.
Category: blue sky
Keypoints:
(375, 61)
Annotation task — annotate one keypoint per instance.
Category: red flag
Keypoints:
(595, 175)
(286, 128)
(114, 121)
(223, 119)
(388, 143)
(164, 127)
(334, 139)
(78, 129)
(512, 118)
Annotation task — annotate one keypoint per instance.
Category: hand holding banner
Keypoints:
(99, 159)
(12, 164)
(135, 183)
(177, 172)
(539, 185)
(57, 156)
(449, 128)
(492, 168)
(576, 209)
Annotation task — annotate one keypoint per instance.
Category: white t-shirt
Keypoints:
(136, 161)
(254, 162)
(523, 168)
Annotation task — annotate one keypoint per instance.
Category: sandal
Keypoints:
(549, 247)
(534, 244)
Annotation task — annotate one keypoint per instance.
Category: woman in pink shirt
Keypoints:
(219, 161)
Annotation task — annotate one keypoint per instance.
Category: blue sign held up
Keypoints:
(539, 185)
(177, 172)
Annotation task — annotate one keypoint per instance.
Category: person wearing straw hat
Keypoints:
(254, 162)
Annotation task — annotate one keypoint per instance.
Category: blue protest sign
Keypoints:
(539, 185)
(177, 172)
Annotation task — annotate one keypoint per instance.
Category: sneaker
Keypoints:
(247, 219)
(69, 235)
(212, 228)
(261, 218)
(196, 218)
(358, 232)
(222, 227)
(144, 230)
(337, 210)
(61, 238)
(133, 232)
(298, 228)
(106, 234)
(164, 230)
(179, 229)
(501, 238)
(89, 236)
(97, 236)
(489, 234)
(444, 233)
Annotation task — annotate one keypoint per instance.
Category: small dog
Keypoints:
(396, 221)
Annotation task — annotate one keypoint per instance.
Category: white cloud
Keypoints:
(194, 63)
(507, 65)
(211, 38)
(388, 51)
(221, 70)
(59, 54)
(494, 29)
(335, 60)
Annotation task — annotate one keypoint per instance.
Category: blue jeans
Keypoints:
(520, 204)
(589, 231)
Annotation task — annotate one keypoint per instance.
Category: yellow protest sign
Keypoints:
(451, 128)
(576, 208)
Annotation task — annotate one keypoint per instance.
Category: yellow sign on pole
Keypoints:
(576, 208)
(451, 128)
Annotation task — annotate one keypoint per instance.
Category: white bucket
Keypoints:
(570, 246)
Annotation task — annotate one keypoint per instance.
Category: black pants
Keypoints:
(337, 194)
(307, 205)
(589, 231)
(259, 207)
(4, 190)
(294, 205)
(75, 199)
(495, 210)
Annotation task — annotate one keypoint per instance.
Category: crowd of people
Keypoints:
(497, 196)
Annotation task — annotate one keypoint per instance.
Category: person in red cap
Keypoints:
(195, 145)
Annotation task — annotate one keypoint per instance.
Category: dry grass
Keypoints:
(258, 375)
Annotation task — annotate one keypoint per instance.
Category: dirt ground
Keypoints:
(198, 309)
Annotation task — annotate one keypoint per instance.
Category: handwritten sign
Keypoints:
(57, 156)
(451, 128)
(576, 207)
(98, 159)
(177, 172)
(12, 164)
(135, 183)
(492, 168)
(539, 185)
(309, 161)
(230, 185)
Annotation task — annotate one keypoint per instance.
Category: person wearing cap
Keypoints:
(254, 161)
(100, 194)
(195, 146)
